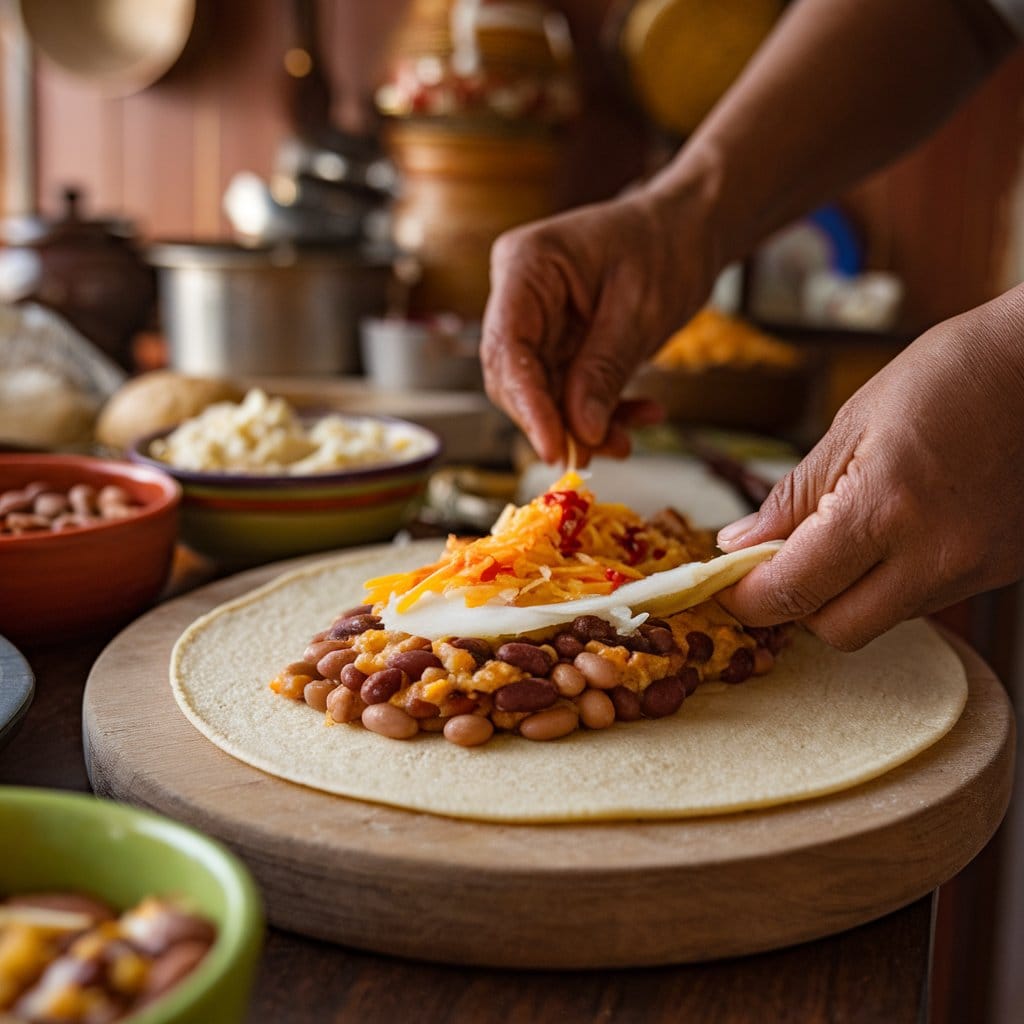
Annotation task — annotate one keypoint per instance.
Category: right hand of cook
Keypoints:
(577, 302)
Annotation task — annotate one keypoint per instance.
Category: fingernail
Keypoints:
(734, 531)
(594, 422)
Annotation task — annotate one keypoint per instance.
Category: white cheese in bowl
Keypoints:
(266, 436)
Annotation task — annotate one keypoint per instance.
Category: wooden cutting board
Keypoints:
(559, 896)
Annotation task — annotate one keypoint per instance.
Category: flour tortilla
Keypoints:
(822, 721)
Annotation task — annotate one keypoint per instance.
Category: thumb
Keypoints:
(795, 496)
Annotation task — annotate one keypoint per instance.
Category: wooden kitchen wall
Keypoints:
(164, 156)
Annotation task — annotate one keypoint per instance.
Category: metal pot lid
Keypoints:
(231, 256)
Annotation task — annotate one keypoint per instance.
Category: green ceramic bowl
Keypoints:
(54, 840)
(245, 519)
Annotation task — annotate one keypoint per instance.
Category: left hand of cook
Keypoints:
(913, 500)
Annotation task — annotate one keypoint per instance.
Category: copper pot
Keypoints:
(88, 271)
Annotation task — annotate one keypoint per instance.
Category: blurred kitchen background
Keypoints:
(304, 192)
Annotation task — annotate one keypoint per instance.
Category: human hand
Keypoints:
(913, 500)
(577, 302)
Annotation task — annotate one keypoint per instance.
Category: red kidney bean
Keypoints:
(343, 705)
(699, 647)
(663, 697)
(596, 709)
(333, 663)
(414, 663)
(660, 623)
(525, 695)
(661, 639)
(316, 692)
(549, 725)
(626, 703)
(480, 649)
(381, 686)
(459, 704)
(637, 642)
(598, 671)
(174, 965)
(568, 680)
(532, 660)
(360, 609)
(567, 646)
(740, 667)
(591, 627)
(691, 679)
(352, 678)
(387, 720)
(468, 730)
(422, 709)
(353, 626)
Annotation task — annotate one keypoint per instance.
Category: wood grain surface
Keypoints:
(566, 896)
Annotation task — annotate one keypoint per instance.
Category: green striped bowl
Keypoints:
(245, 519)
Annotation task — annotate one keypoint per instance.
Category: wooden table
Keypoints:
(878, 972)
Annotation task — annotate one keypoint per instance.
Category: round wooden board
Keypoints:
(559, 896)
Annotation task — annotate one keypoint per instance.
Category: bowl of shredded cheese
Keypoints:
(262, 481)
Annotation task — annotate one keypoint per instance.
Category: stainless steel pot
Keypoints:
(227, 310)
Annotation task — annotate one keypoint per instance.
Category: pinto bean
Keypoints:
(333, 663)
(699, 647)
(549, 725)
(567, 646)
(414, 663)
(626, 703)
(598, 671)
(568, 680)
(468, 730)
(387, 720)
(525, 695)
(740, 667)
(343, 705)
(596, 709)
(50, 504)
(25, 522)
(764, 661)
(315, 693)
(352, 678)
(14, 501)
(382, 686)
(480, 649)
(316, 649)
(592, 627)
(532, 660)
(353, 626)
(83, 499)
(663, 697)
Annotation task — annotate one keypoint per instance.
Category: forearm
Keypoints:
(841, 88)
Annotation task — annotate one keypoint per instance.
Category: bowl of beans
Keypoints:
(111, 913)
(85, 544)
(261, 481)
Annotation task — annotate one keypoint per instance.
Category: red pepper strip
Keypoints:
(493, 570)
(615, 578)
(573, 510)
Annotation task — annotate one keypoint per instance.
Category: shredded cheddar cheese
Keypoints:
(563, 545)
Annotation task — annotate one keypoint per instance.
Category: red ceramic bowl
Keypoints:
(59, 586)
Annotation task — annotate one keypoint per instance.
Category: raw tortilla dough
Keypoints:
(822, 721)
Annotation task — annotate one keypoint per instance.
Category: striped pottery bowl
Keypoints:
(241, 519)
